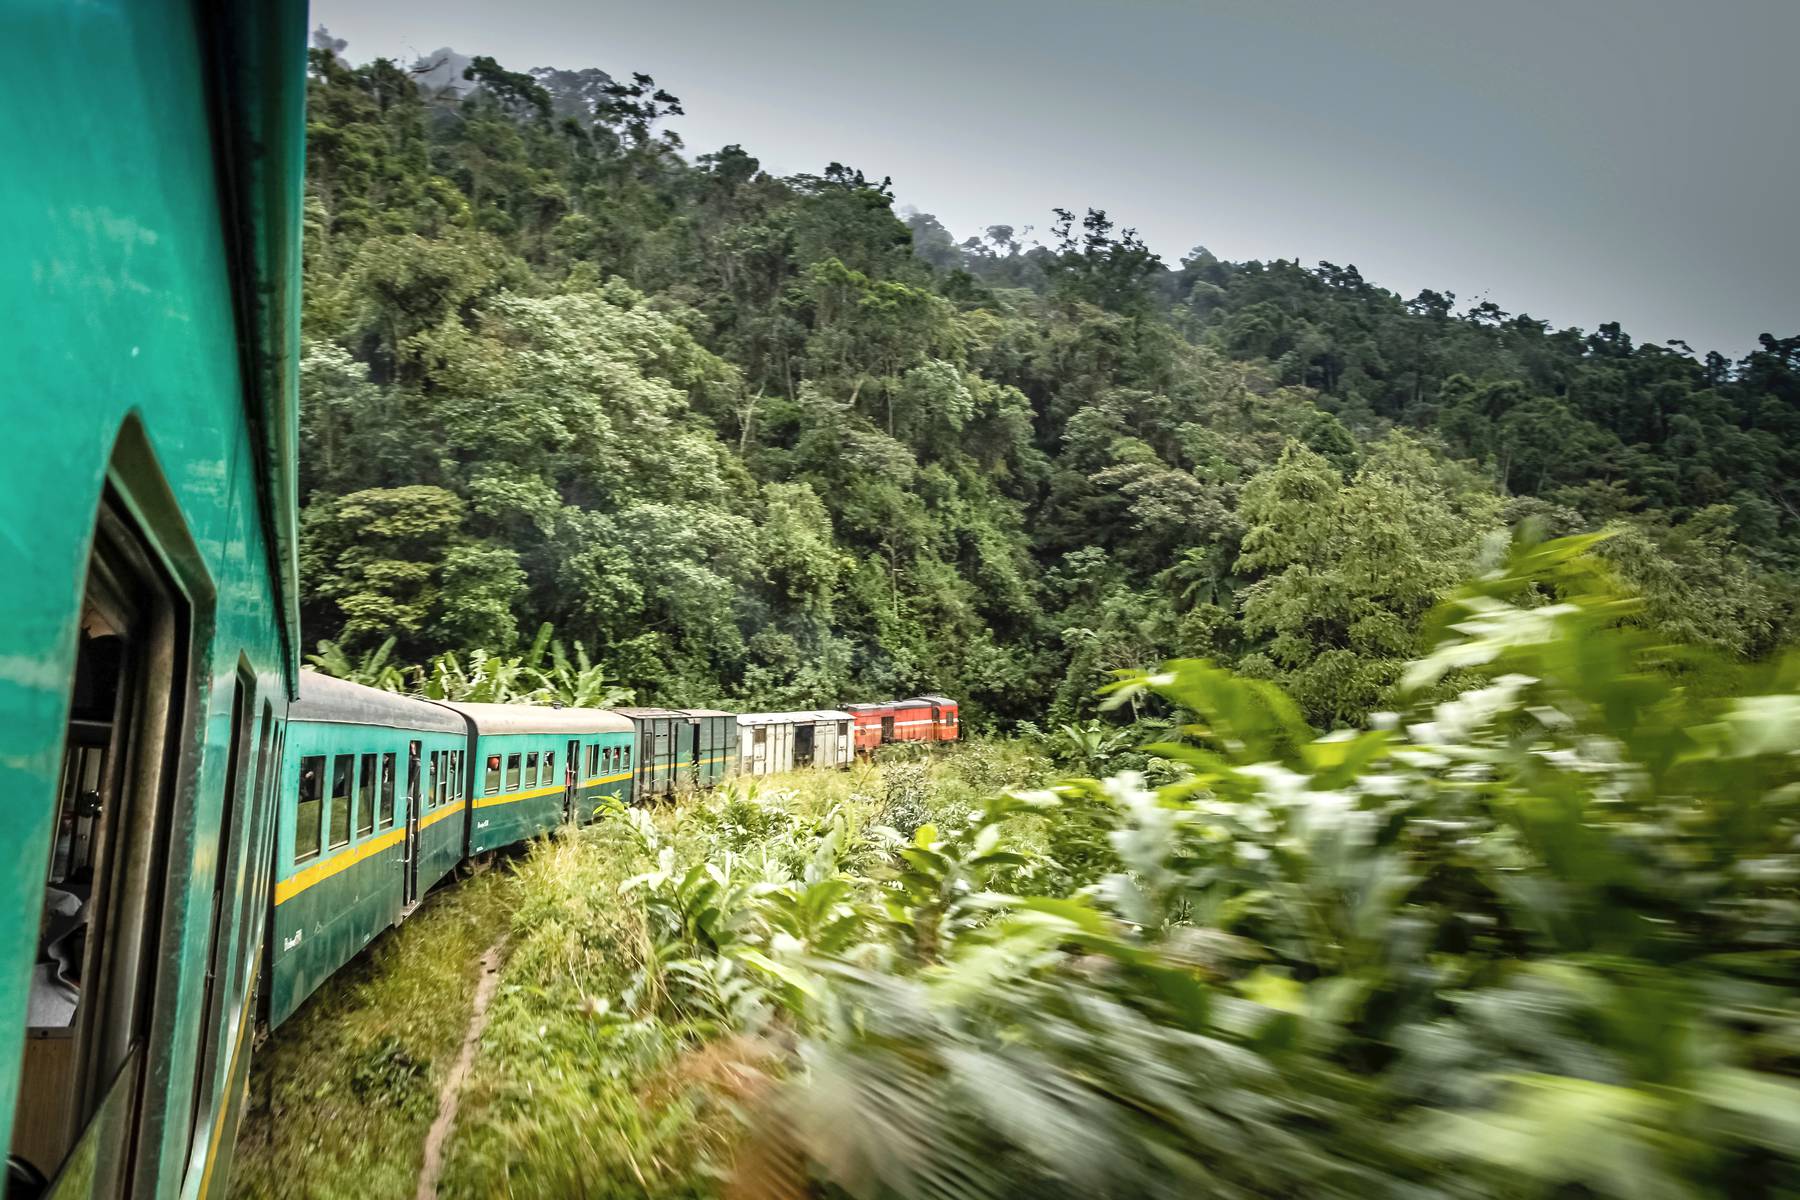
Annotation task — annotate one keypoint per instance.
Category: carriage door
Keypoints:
(571, 780)
(410, 864)
(887, 728)
(803, 744)
(646, 764)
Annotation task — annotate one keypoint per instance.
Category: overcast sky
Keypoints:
(1581, 160)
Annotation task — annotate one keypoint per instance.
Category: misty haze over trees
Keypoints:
(763, 442)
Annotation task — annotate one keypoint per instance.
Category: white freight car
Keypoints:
(772, 742)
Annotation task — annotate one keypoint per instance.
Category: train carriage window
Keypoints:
(549, 775)
(443, 778)
(431, 780)
(492, 786)
(531, 768)
(387, 791)
(338, 828)
(310, 811)
(594, 759)
(88, 994)
(456, 776)
(626, 751)
(512, 772)
(365, 797)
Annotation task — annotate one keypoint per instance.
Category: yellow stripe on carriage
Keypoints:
(293, 885)
(432, 818)
(513, 797)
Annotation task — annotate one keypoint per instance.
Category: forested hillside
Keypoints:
(763, 442)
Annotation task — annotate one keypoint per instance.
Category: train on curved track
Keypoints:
(202, 832)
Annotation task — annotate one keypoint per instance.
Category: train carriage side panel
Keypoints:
(912, 721)
(867, 723)
(657, 733)
(354, 800)
(146, 572)
(538, 767)
(715, 739)
(946, 726)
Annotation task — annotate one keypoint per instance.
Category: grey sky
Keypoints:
(1582, 160)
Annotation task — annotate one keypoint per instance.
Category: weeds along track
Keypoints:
(540, 1029)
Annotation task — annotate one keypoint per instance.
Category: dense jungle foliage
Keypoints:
(763, 442)
(1536, 941)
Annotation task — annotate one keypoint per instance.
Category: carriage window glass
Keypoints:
(549, 775)
(365, 797)
(338, 825)
(594, 759)
(456, 775)
(310, 810)
(531, 771)
(443, 780)
(512, 772)
(493, 774)
(626, 751)
(760, 737)
(843, 729)
(387, 791)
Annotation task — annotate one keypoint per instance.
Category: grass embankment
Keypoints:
(615, 1055)
(343, 1093)
(616, 1064)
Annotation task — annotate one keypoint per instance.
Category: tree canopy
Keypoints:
(762, 441)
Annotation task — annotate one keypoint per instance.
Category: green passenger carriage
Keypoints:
(372, 805)
(149, 222)
(534, 769)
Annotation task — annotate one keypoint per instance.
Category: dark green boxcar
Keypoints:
(149, 227)
(536, 768)
(665, 751)
(372, 813)
(715, 745)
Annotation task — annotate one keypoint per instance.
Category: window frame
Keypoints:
(493, 774)
(367, 783)
(513, 767)
(387, 786)
(345, 765)
(323, 762)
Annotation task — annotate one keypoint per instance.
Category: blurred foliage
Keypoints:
(1532, 934)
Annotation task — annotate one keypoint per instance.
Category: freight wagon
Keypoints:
(773, 742)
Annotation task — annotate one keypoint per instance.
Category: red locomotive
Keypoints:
(920, 719)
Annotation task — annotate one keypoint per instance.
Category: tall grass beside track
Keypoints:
(616, 1063)
(342, 1094)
